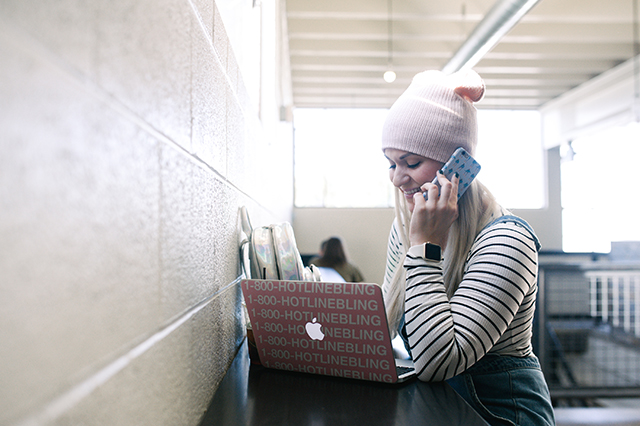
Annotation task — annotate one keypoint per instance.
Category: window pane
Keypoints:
(511, 154)
(338, 161)
(600, 198)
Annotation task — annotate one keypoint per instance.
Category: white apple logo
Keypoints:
(314, 330)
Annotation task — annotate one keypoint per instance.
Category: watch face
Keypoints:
(432, 252)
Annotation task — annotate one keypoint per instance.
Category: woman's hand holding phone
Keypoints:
(437, 207)
(432, 217)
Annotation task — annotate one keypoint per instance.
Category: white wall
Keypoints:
(128, 141)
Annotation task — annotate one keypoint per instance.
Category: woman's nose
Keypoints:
(399, 178)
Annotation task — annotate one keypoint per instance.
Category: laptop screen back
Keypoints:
(336, 329)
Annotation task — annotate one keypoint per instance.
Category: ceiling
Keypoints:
(339, 49)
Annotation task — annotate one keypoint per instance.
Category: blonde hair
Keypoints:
(475, 209)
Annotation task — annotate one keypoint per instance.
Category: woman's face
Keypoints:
(409, 171)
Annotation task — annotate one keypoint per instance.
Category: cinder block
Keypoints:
(80, 190)
(143, 61)
(210, 90)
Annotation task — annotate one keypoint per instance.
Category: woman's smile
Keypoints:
(409, 171)
(409, 193)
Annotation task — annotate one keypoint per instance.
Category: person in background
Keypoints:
(461, 276)
(332, 255)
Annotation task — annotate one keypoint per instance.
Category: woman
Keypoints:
(332, 255)
(460, 282)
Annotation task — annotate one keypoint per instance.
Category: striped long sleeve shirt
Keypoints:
(491, 311)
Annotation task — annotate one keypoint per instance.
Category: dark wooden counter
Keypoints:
(254, 395)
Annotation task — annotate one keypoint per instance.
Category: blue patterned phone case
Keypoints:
(463, 163)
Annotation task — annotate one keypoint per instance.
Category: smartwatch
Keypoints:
(432, 252)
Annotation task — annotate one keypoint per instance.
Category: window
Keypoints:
(600, 198)
(511, 154)
(338, 161)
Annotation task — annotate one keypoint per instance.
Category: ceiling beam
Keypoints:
(502, 17)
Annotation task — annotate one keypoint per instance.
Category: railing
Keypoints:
(587, 333)
(614, 298)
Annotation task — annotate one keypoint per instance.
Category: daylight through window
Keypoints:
(338, 161)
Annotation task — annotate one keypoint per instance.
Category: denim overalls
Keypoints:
(506, 390)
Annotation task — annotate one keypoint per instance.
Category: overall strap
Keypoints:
(519, 221)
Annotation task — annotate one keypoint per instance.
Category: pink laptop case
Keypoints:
(336, 329)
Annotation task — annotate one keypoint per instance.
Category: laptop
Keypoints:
(334, 329)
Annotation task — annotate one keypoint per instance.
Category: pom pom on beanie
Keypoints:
(435, 115)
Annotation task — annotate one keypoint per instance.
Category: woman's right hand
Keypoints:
(432, 218)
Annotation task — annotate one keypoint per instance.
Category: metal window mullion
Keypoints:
(626, 300)
(636, 305)
(593, 295)
(615, 305)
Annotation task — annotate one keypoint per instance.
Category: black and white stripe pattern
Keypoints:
(492, 310)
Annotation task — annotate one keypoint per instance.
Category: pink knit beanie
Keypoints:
(435, 115)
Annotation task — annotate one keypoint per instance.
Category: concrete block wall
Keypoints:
(128, 142)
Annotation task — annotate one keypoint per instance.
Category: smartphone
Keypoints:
(463, 163)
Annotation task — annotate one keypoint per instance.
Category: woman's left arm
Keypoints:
(448, 336)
